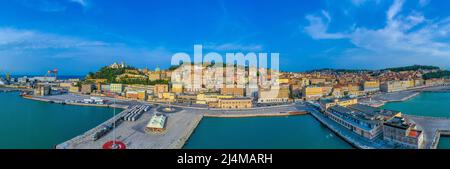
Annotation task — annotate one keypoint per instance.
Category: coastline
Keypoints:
(76, 104)
(190, 127)
(192, 118)
(256, 115)
(381, 99)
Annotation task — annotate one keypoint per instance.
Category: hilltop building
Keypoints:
(117, 65)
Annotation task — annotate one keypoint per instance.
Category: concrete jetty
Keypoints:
(433, 128)
(179, 127)
(261, 112)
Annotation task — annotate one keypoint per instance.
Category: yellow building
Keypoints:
(409, 83)
(210, 97)
(312, 93)
(142, 95)
(317, 81)
(327, 103)
(166, 96)
(283, 80)
(154, 76)
(234, 103)
(161, 88)
(177, 88)
(66, 84)
(354, 88)
(234, 91)
(371, 86)
(275, 95)
(74, 89)
(394, 86)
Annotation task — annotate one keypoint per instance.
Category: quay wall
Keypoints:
(78, 139)
(180, 144)
(253, 115)
(348, 140)
(75, 104)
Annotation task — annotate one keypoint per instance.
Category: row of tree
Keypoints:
(439, 74)
(111, 74)
(412, 68)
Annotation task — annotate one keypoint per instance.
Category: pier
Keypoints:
(433, 128)
(260, 112)
(179, 127)
(349, 136)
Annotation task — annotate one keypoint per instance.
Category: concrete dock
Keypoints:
(433, 128)
(380, 99)
(260, 112)
(179, 127)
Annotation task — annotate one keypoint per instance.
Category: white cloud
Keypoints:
(16, 39)
(317, 27)
(361, 2)
(423, 3)
(406, 39)
(69, 53)
(358, 2)
(233, 47)
(327, 15)
(80, 2)
(394, 9)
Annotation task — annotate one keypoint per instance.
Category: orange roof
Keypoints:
(413, 133)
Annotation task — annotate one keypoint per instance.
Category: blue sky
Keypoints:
(78, 36)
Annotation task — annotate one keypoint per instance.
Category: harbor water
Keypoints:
(291, 132)
(435, 104)
(28, 124)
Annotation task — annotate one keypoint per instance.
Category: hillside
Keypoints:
(439, 74)
(412, 68)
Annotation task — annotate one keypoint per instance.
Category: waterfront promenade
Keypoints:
(380, 99)
(180, 126)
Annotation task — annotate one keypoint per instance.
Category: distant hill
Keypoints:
(125, 75)
(412, 68)
(340, 70)
(108, 73)
(439, 74)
